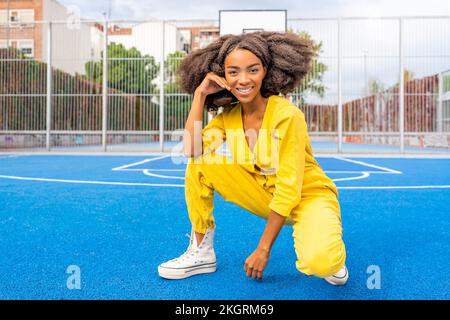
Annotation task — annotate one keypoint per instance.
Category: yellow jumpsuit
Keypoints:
(279, 174)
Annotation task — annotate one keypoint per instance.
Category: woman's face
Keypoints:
(244, 73)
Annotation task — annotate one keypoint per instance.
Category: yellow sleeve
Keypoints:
(213, 134)
(292, 132)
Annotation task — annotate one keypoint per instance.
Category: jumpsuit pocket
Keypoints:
(269, 183)
(261, 180)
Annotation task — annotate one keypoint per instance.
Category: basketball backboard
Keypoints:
(243, 21)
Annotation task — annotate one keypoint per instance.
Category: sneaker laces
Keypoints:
(187, 252)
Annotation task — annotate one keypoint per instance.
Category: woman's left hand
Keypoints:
(256, 263)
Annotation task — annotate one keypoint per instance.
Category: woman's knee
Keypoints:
(322, 261)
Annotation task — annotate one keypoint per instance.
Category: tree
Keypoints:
(408, 75)
(177, 105)
(129, 72)
(446, 83)
(374, 86)
(313, 81)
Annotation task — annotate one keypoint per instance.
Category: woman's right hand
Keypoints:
(212, 83)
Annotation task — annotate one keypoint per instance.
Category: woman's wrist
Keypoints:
(200, 94)
(273, 227)
(264, 248)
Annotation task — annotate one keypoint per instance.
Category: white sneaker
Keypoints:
(196, 260)
(339, 278)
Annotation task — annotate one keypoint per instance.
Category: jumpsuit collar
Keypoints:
(263, 124)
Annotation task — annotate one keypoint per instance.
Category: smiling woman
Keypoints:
(285, 57)
(273, 173)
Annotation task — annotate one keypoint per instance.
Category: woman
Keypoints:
(272, 172)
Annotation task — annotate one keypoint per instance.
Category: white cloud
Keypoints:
(200, 9)
(377, 8)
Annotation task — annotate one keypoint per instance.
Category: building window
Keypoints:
(26, 47)
(3, 44)
(26, 16)
(14, 16)
(27, 51)
(3, 18)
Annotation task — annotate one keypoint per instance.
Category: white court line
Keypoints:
(182, 186)
(182, 170)
(94, 182)
(384, 156)
(140, 162)
(368, 165)
(148, 173)
(163, 170)
(363, 176)
(155, 170)
(374, 172)
(9, 156)
(395, 155)
(394, 187)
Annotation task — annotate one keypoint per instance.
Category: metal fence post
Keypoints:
(439, 102)
(161, 92)
(49, 87)
(339, 85)
(8, 19)
(401, 89)
(105, 85)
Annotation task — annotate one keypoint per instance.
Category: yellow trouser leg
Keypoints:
(317, 222)
(231, 181)
(318, 236)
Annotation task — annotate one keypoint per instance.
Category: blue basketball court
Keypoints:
(115, 218)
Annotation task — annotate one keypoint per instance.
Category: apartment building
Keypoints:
(147, 37)
(197, 37)
(74, 42)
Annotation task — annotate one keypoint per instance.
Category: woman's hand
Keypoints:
(212, 83)
(256, 263)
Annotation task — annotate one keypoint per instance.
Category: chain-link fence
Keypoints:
(377, 84)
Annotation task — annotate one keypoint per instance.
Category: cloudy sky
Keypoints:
(372, 44)
(201, 9)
